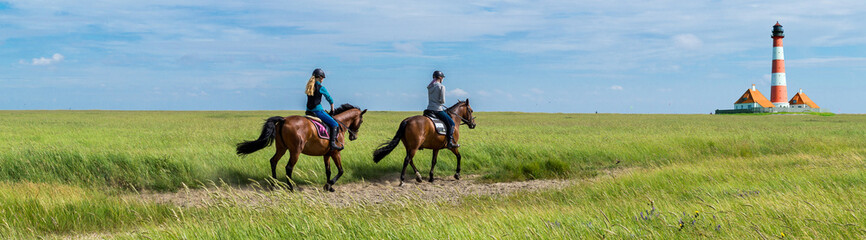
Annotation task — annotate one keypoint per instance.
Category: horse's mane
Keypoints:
(451, 109)
(343, 108)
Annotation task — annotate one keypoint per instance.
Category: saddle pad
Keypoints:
(438, 124)
(320, 128)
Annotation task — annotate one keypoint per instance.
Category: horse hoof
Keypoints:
(457, 176)
(401, 184)
(327, 187)
(431, 179)
(331, 189)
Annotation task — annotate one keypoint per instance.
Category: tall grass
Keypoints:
(161, 150)
(77, 173)
(735, 198)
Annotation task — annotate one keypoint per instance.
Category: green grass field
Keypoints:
(76, 174)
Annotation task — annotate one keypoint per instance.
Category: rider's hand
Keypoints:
(332, 107)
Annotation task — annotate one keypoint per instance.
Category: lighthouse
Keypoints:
(752, 101)
(779, 87)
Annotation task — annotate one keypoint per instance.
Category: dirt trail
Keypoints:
(351, 194)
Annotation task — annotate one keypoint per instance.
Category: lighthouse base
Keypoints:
(781, 104)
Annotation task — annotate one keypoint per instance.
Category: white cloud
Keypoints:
(499, 92)
(827, 60)
(688, 41)
(47, 61)
(766, 79)
(536, 91)
(458, 93)
(408, 48)
(197, 94)
(483, 93)
(616, 88)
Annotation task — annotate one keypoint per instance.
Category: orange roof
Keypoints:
(754, 96)
(801, 98)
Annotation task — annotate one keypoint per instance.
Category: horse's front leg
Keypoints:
(327, 159)
(339, 164)
(457, 154)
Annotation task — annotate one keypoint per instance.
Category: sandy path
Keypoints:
(350, 194)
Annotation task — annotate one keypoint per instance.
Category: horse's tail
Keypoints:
(265, 139)
(386, 147)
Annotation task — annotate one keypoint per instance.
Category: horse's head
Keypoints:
(351, 117)
(464, 112)
(355, 124)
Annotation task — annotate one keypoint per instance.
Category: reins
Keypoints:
(346, 127)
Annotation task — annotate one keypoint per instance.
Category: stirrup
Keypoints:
(333, 146)
(451, 144)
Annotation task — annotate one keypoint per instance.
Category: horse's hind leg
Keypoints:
(276, 159)
(293, 159)
(417, 174)
(410, 153)
(433, 164)
(457, 154)
(339, 164)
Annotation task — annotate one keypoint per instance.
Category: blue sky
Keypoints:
(548, 56)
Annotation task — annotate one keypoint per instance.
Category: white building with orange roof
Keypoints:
(752, 99)
(800, 100)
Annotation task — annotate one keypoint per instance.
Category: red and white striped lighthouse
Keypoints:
(779, 87)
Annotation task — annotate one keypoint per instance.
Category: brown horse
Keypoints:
(418, 133)
(298, 135)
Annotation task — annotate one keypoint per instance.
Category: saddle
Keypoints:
(438, 124)
(321, 128)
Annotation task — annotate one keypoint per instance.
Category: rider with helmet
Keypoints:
(315, 91)
(436, 104)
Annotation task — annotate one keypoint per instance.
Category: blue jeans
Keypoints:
(449, 123)
(327, 119)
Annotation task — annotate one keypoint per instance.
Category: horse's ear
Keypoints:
(365, 111)
(467, 101)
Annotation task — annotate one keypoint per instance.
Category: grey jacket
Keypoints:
(436, 97)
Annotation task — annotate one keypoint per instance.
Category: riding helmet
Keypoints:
(319, 73)
(438, 74)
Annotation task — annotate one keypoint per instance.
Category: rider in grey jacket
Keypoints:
(436, 104)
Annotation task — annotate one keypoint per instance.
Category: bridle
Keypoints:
(462, 119)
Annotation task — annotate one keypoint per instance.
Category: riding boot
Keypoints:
(450, 138)
(332, 138)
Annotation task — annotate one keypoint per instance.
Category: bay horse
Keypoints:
(418, 133)
(298, 135)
